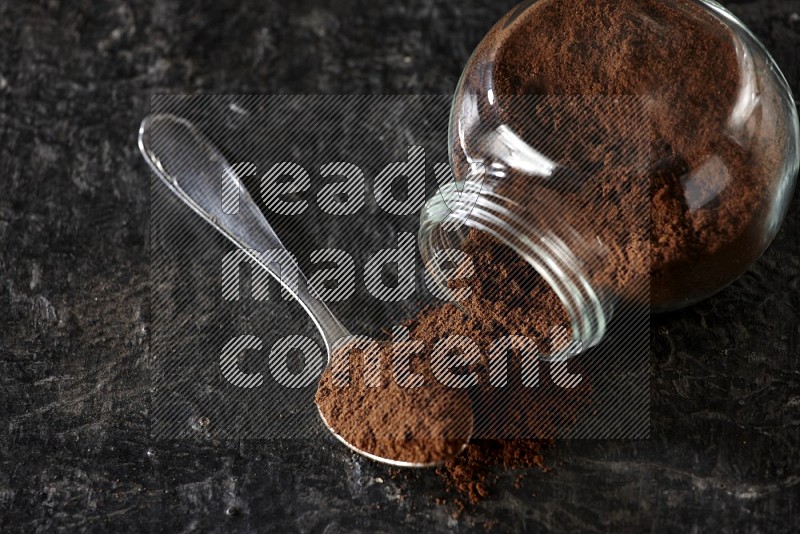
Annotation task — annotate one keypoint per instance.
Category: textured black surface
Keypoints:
(75, 79)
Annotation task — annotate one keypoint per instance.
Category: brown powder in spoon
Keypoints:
(374, 413)
(430, 423)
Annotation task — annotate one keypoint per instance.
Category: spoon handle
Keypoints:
(197, 173)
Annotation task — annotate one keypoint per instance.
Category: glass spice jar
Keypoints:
(639, 151)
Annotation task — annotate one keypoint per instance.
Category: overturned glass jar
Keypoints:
(632, 151)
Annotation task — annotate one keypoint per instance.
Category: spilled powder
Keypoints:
(469, 477)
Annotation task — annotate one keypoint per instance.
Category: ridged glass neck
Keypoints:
(549, 248)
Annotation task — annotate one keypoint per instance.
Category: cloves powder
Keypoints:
(686, 64)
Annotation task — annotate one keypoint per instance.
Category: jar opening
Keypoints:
(467, 206)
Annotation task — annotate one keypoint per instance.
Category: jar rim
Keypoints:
(465, 205)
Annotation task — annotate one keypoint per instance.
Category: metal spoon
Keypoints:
(196, 172)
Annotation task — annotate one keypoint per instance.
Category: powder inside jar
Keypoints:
(709, 165)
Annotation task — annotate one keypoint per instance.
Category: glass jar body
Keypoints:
(636, 150)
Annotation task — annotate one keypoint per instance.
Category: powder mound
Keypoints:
(424, 424)
(430, 423)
